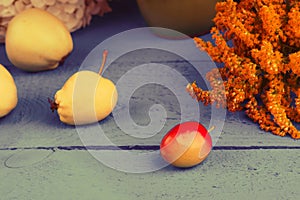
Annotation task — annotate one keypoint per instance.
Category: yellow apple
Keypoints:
(37, 40)
(86, 97)
(8, 92)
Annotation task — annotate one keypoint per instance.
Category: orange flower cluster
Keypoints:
(258, 44)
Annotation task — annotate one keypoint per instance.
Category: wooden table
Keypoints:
(42, 158)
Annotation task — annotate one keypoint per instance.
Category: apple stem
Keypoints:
(211, 129)
(104, 56)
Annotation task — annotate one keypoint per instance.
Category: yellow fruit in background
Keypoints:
(86, 97)
(37, 40)
(8, 92)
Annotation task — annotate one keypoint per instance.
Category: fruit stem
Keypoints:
(104, 56)
(211, 129)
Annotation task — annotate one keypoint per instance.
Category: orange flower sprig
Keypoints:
(260, 71)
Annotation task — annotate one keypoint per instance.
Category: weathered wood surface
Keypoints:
(256, 174)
